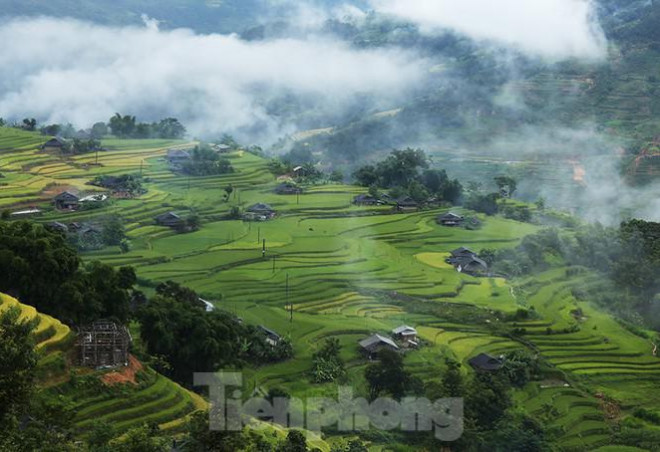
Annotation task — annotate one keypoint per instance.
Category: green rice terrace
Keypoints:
(334, 269)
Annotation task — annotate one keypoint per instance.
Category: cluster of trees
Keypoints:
(40, 268)
(327, 364)
(406, 173)
(628, 255)
(206, 162)
(488, 202)
(126, 126)
(489, 421)
(307, 172)
(177, 328)
(129, 183)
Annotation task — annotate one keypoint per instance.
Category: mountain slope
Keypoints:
(152, 399)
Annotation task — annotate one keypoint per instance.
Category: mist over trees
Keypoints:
(126, 126)
(406, 172)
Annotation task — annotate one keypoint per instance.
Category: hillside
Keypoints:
(351, 271)
(151, 398)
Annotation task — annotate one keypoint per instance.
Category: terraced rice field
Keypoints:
(154, 400)
(352, 271)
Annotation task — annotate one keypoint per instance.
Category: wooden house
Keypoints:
(169, 219)
(54, 144)
(375, 343)
(450, 219)
(261, 209)
(486, 363)
(406, 336)
(103, 344)
(66, 201)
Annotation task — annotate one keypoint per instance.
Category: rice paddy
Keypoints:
(333, 269)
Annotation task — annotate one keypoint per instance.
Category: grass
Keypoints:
(351, 271)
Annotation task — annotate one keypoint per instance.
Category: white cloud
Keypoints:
(65, 70)
(553, 29)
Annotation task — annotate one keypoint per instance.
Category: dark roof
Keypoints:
(260, 207)
(372, 342)
(55, 142)
(407, 202)
(470, 263)
(66, 196)
(270, 333)
(168, 216)
(58, 226)
(404, 330)
(463, 251)
(365, 198)
(287, 187)
(485, 362)
(178, 154)
(450, 216)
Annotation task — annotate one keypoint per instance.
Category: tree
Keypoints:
(540, 203)
(387, 375)
(295, 442)
(327, 363)
(366, 176)
(52, 129)
(229, 189)
(170, 128)
(122, 126)
(113, 232)
(18, 360)
(99, 130)
(29, 124)
(201, 438)
(100, 436)
(140, 439)
(5, 215)
(507, 185)
(336, 176)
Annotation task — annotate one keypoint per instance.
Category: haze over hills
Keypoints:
(375, 75)
(408, 198)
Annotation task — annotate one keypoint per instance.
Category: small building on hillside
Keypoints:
(462, 252)
(472, 265)
(26, 213)
(103, 344)
(486, 363)
(272, 338)
(221, 148)
(288, 188)
(365, 200)
(66, 201)
(465, 260)
(375, 343)
(99, 197)
(406, 335)
(261, 209)
(54, 144)
(169, 219)
(57, 226)
(450, 219)
(406, 204)
(177, 156)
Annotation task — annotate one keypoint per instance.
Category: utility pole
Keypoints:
(273, 264)
(287, 299)
(297, 197)
(263, 249)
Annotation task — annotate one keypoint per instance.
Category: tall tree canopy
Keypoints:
(39, 267)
